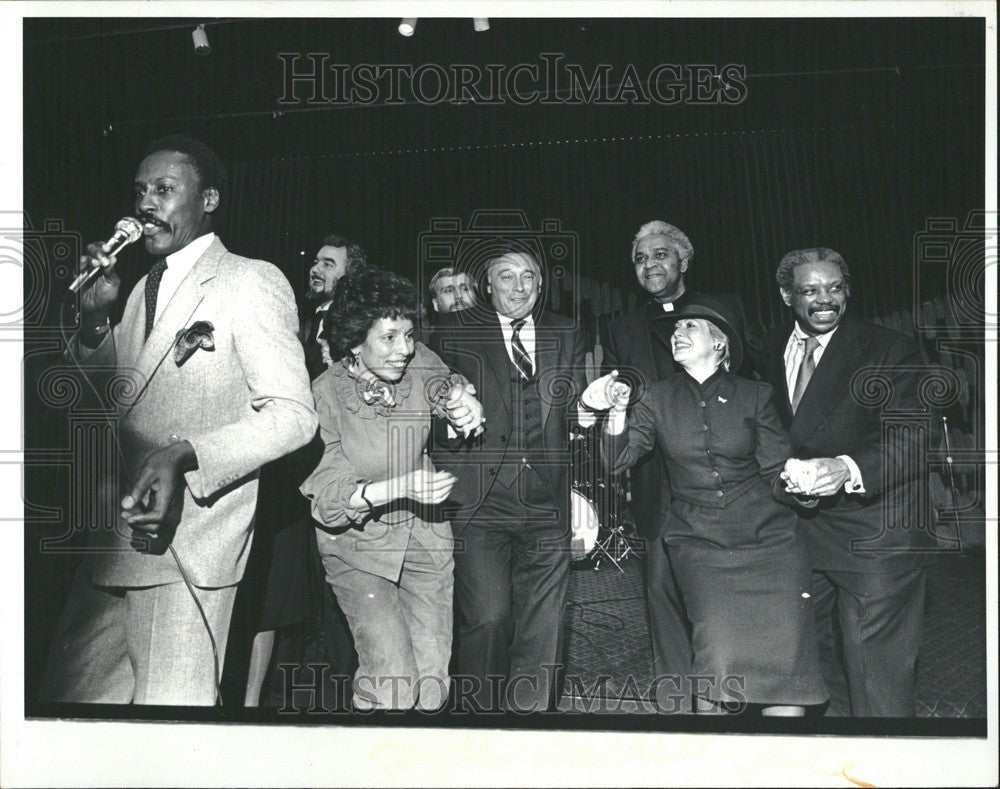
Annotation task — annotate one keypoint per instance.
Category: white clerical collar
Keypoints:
(824, 339)
(324, 306)
(668, 306)
(183, 260)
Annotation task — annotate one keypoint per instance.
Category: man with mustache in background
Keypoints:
(336, 256)
(209, 340)
(867, 554)
(284, 575)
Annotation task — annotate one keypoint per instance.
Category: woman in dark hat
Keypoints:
(741, 569)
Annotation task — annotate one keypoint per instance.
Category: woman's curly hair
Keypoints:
(359, 300)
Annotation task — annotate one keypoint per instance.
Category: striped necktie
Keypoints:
(521, 359)
(806, 370)
(152, 289)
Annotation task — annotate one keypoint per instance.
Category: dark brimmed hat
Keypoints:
(712, 310)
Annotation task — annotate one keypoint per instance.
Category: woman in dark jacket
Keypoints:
(741, 569)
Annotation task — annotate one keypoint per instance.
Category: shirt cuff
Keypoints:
(585, 417)
(855, 484)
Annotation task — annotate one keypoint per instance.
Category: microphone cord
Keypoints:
(68, 302)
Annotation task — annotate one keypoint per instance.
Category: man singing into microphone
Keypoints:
(208, 339)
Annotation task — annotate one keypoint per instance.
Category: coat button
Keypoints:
(503, 439)
(701, 404)
(524, 460)
(715, 473)
(704, 427)
(174, 438)
(492, 472)
(719, 493)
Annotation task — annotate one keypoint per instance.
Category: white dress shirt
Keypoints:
(324, 346)
(795, 352)
(178, 266)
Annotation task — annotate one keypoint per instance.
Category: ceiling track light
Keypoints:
(200, 39)
(407, 25)
(481, 24)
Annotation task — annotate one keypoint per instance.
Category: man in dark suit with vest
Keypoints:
(868, 556)
(511, 526)
(638, 346)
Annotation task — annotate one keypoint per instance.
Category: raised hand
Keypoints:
(607, 392)
(98, 296)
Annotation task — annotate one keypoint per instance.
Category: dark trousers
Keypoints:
(511, 577)
(868, 628)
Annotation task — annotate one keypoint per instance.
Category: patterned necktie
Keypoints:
(521, 359)
(152, 288)
(805, 371)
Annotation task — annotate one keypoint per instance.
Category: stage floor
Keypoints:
(609, 666)
(609, 651)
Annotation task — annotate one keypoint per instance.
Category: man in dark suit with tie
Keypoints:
(638, 346)
(868, 555)
(511, 525)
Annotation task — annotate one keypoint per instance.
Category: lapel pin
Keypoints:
(722, 399)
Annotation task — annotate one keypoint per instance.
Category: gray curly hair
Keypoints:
(660, 228)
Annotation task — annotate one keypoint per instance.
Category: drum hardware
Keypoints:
(598, 509)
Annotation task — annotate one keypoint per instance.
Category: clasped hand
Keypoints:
(815, 477)
(423, 486)
(465, 412)
(607, 392)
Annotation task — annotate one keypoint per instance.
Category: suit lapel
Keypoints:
(829, 383)
(546, 359)
(175, 316)
(494, 353)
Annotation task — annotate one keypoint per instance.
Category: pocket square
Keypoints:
(198, 335)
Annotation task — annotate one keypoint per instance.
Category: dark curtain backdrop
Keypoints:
(744, 198)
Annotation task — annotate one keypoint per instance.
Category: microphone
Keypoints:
(127, 231)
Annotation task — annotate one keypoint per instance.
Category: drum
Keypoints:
(585, 525)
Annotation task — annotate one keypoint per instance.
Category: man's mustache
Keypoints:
(144, 218)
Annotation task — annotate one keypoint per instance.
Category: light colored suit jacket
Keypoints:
(240, 405)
